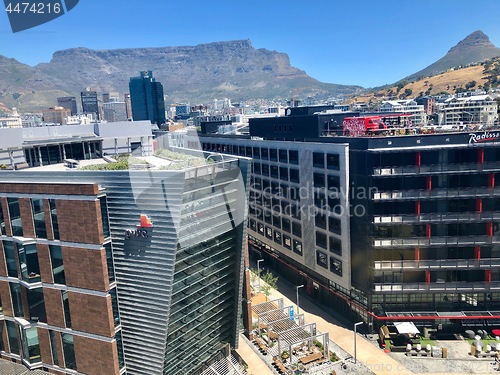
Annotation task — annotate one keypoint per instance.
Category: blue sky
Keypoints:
(364, 42)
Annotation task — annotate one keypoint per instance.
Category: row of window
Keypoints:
(437, 230)
(282, 173)
(437, 181)
(262, 153)
(437, 206)
(278, 237)
(328, 161)
(335, 265)
(329, 242)
(39, 217)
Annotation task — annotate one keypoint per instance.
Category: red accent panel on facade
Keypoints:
(487, 276)
(418, 159)
(429, 183)
(480, 155)
(428, 231)
(417, 208)
(417, 253)
(477, 252)
(491, 180)
(489, 229)
(428, 277)
(479, 204)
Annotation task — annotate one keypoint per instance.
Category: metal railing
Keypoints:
(437, 193)
(436, 168)
(443, 240)
(434, 217)
(432, 264)
(437, 286)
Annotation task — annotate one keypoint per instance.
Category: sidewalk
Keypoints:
(256, 366)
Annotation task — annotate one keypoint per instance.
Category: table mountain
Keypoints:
(232, 69)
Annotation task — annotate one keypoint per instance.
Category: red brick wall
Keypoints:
(91, 314)
(27, 218)
(49, 188)
(45, 351)
(4, 338)
(85, 268)
(80, 221)
(54, 307)
(5, 209)
(45, 264)
(94, 357)
(48, 219)
(5, 296)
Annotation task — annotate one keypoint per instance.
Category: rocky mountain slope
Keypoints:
(474, 48)
(233, 69)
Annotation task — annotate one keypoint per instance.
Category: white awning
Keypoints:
(406, 327)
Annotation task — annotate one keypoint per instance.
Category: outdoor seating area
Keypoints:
(287, 339)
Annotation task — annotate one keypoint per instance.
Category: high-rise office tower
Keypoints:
(89, 102)
(68, 102)
(128, 106)
(147, 98)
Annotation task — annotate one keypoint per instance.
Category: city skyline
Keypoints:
(367, 44)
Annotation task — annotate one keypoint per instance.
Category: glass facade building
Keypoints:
(146, 97)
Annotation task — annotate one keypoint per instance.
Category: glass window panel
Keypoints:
(53, 347)
(37, 305)
(13, 337)
(333, 161)
(114, 304)
(119, 345)
(109, 262)
(17, 300)
(31, 346)
(39, 218)
(10, 258)
(53, 215)
(322, 259)
(2, 222)
(28, 260)
(69, 351)
(57, 264)
(15, 216)
(104, 214)
(67, 314)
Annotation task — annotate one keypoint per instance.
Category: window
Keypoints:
(336, 266)
(333, 161)
(248, 152)
(322, 259)
(39, 218)
(31, 347)
(260, 228)
(318, 160)
(10, 258)
(273, 154)
(335, 246)
(297, 229)
(321, 240)
(319, 180)
(256, 168)
(253, 225)
(264, 154)
(265, 170)
(293, 157)
(109, 262)
(53, 216)
(2, 222)
(286, 225)
(67, 314)
(287, 242)
(104, 214)
(36, 305)
(274, 171)
(294, 175)
(28, 260)
(320, 220)
(15, 216)
(283, 155)
(277, 237)
(334, 183)
(269, 233)
(69, 351)
(53, 347)
(119, 346)
(284, 173)
(256, 153)
(17, 300)
(114, 304)
(57, 264)
(13, 337)
(297, 247)
(334, 225)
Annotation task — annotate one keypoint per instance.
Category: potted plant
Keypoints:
(285, 355)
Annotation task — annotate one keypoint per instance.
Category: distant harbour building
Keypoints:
(128, 106)
(68, 102)
(12, 121)
(105, 97)
(90, 103)
(477, 109)
(56, 115)
(147, 98)
(114, 111)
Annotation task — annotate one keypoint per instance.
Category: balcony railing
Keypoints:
(432, 264)
(436, 241)
(436, 168)
(433, 217)
(437, 193)
(463, 286)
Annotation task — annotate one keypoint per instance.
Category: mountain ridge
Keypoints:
(233, 69)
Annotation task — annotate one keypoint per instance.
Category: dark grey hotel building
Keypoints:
(381, 228)
(134, 271)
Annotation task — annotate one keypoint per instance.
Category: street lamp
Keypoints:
(355, 325)
(298, 287)
(258, 271)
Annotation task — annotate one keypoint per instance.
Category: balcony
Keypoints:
(457, 286)
(436, 241)
(436, 264)
(436, 169)
(438, 218)
(437, 193)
